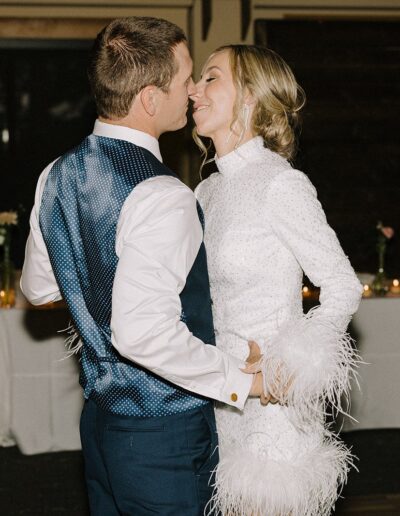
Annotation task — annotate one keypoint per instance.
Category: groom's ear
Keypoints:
(149, 99)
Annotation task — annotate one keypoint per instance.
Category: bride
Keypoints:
(264, 226)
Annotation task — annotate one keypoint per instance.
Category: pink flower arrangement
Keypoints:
(387, 231)
(379, 284)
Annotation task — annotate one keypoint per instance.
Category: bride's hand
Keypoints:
(253, 361)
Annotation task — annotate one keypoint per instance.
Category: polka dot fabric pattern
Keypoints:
(81, 203)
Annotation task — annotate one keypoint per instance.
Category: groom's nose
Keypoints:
(192, 90)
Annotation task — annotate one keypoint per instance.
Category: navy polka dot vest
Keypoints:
(81, 203)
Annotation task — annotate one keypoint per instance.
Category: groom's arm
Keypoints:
(38, 283)
(158, 238)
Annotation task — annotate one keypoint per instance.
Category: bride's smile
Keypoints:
(214, 99)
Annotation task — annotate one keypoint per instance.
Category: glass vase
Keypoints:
(7, 280)
(379, 284)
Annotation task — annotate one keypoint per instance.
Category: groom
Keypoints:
(117, 235)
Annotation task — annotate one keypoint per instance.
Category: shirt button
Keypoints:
(234, 396)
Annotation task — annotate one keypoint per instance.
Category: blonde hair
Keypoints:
(278, 97)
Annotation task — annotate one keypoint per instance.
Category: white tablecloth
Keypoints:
(376, 327)
(40, 397)
(41, 400)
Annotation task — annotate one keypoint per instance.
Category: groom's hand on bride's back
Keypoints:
(257, 390)
(253, 362)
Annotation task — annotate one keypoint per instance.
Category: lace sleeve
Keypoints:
(311, 358)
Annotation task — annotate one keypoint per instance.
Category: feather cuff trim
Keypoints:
(309, 363)
(250, 485)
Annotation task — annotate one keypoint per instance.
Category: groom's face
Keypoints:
(174, 103)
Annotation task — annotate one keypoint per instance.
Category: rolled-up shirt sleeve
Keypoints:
(158, 237)
(38, 283)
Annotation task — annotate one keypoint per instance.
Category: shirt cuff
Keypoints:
(237, 386)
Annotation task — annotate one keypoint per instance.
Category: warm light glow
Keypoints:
(2, 293)
(305, 290)
(367, 291)
(5, 136)
(395, 287)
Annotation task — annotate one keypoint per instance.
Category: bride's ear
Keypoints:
(249, 99)
(149, 99)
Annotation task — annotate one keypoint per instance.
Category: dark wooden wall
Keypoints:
(46, 107)
(349, 145)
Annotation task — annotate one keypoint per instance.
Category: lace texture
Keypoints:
(264, 226)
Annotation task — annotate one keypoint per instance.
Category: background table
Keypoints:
(376, 327)
(40, 397)
(41, 400)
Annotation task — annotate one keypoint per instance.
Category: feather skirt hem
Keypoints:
(251, 485)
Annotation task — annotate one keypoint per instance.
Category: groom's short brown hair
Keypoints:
(129, 54)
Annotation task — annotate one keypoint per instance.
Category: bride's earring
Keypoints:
(246, 114)
(227, 139)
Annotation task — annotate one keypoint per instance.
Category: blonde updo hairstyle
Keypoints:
(278, 98)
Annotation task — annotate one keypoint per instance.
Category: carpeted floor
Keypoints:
(49, 484)
(52, 484)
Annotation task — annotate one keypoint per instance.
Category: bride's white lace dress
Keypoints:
(263, 227)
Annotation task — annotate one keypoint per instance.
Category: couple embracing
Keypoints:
(165, 328)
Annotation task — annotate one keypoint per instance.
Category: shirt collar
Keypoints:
(134, 136)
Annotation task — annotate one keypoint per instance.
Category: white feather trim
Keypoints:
(251, 485)
(73, 343)
(308, 363)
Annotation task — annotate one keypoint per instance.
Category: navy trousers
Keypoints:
(147, 466)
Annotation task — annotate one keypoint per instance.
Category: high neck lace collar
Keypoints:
(248, 152)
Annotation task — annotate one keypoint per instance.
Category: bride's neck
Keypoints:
(226, 143)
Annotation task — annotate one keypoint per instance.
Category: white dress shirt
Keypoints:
(158, 237)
